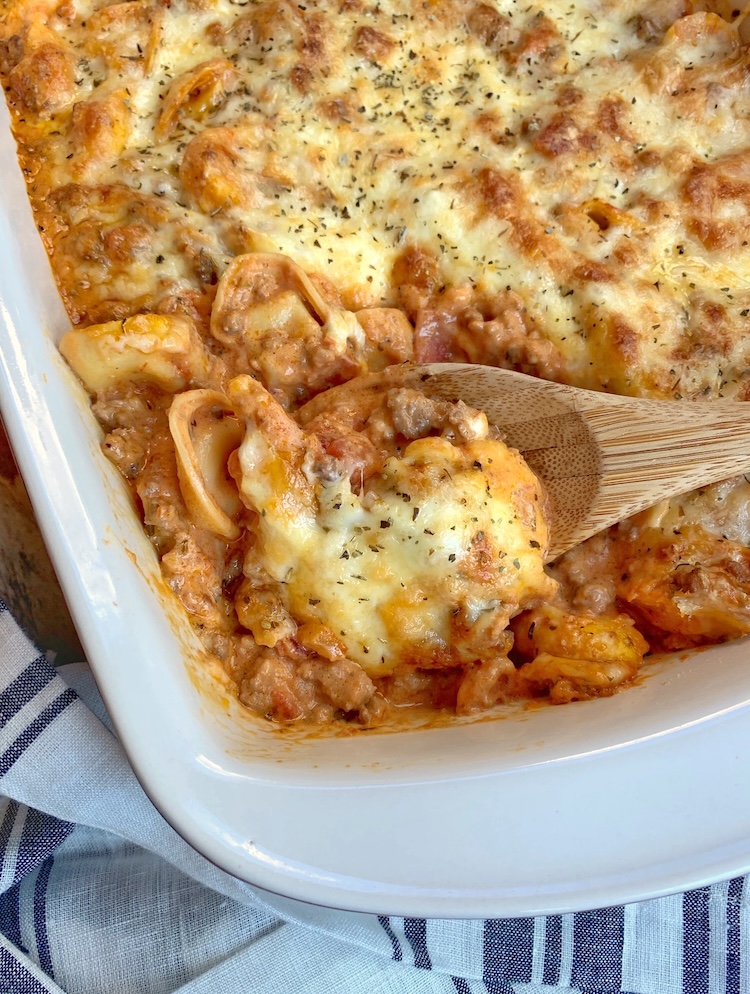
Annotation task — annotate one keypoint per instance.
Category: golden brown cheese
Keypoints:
(309, 192)
(420, 558)
(588, 156)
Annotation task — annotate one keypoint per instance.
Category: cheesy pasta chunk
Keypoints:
(418, 558)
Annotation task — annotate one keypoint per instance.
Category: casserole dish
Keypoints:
(539, 811)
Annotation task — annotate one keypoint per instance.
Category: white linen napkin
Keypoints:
(99, 894)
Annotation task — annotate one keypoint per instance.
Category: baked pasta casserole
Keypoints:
(248, 202)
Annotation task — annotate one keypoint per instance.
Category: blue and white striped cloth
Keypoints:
(98, 894)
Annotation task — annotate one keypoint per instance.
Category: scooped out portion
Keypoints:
(400, 531)
(373, 549)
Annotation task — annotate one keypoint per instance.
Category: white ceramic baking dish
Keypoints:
(544, 810)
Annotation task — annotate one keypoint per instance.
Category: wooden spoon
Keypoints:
(601, 457)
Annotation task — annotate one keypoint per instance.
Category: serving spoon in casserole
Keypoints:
(601, 457)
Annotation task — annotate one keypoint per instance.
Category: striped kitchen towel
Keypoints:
(98, 894)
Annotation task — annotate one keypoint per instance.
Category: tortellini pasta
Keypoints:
(162, 349)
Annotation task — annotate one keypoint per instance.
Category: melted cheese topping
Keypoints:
(308, 192)
(592, 157)
(423, 565)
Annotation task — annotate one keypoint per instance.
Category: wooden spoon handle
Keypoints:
(601, 457)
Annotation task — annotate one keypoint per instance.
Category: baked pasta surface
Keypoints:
(245, 204)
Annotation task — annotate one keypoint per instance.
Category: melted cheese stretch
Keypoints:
(592, 157)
